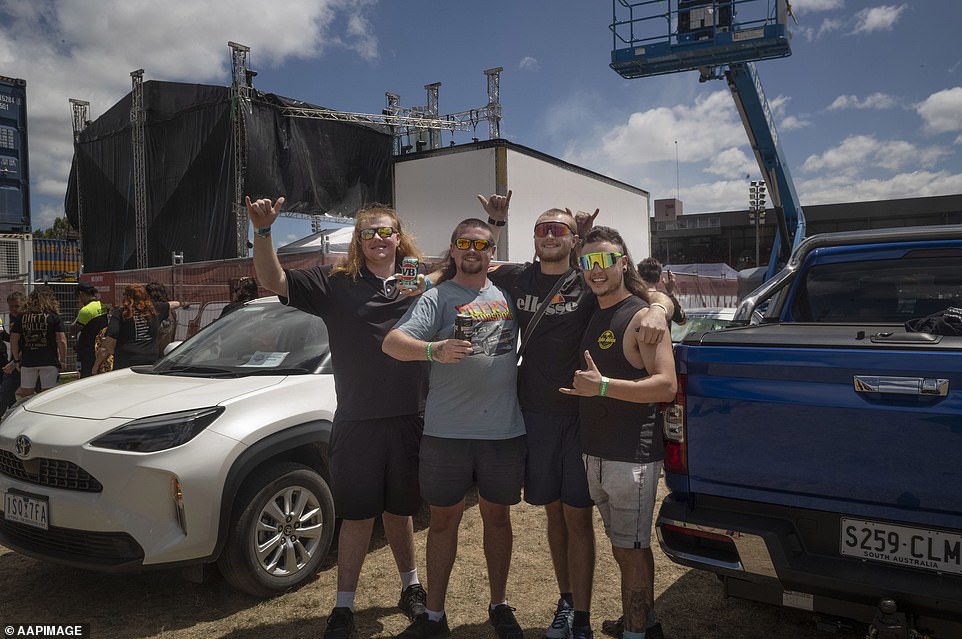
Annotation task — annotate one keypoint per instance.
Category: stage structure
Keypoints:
(164, 171)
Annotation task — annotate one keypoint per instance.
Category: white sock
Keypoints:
(345, 600)
(434, 615)
(495, 605)
(409, 578)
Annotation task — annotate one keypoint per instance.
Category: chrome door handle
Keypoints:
(928, 386)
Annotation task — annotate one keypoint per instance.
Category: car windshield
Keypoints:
(707, 320)
(260, 338)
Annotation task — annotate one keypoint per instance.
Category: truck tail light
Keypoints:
(676, 449)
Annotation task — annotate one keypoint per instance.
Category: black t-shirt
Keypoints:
(611, 428)
(38, 338)
(551, 356)
(136, 336)
(358, 315)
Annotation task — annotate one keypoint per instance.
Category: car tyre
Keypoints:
(281, 529)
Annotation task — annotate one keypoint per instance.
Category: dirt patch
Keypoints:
(162, 604)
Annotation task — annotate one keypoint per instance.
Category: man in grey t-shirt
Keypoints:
(473, 428)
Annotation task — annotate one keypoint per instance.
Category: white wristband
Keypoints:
(662, 307)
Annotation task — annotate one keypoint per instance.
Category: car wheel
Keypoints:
(281, 528)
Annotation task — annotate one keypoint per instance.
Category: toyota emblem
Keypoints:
(22, 448)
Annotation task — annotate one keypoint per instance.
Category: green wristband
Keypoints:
(603, 386)
(427, 352)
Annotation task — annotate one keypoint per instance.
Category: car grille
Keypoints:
(75, 546)
(49, 472)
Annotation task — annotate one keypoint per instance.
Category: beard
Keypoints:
(471, 267)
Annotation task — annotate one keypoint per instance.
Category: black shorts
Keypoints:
(449, 467)
(555, 469)
(374, 466)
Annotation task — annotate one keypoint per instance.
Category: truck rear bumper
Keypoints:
(790, 557)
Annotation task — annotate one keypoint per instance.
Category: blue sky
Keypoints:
(868, 107)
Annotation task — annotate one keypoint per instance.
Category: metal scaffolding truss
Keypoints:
(137, 126)
(240, 101)
(80, 118)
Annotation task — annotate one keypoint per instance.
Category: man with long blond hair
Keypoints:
(377, 426)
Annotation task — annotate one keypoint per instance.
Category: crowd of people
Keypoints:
(432, 403)
(33, 348)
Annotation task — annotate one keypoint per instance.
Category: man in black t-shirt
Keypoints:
(377, 427)
(555, 472)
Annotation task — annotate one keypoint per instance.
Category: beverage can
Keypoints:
(463, 327)
(409, 273)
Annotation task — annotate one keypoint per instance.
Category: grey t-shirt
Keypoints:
(477, 398)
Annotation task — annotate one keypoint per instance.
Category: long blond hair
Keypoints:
(354, 262)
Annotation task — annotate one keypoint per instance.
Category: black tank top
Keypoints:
(611, 428)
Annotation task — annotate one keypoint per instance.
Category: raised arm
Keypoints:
(496, 206)
(262, 215)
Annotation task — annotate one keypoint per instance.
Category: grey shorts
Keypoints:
(555, 470)
(449, 467)
(625, 494)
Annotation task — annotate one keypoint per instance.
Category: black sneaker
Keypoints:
(413, 601)
(340, 624)
(655, 632)
(502, 618)
(560, 627)
(422, 628)
(584, 632)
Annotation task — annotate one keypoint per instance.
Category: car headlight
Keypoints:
(159, 432)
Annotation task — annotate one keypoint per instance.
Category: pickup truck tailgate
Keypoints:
(845, 414)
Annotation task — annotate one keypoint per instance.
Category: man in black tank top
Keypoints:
(619, 388)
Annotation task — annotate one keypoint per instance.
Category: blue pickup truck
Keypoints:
(814, 456)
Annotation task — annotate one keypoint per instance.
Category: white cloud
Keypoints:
(529, 64)
(801, 7)
(875, 101)
(702, 130)
(732, 162)
(860, 154)
(942, 111)
(878, 18)
(828, 26)
(67, 49)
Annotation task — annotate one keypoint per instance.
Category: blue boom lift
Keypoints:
(719, 39)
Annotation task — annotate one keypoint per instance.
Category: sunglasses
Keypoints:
(381, 231)
(605, 260)
(557, 229)
(464, 244)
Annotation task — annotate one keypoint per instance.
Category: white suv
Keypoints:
(218, 453)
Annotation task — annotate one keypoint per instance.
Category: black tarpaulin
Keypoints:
(320, 166)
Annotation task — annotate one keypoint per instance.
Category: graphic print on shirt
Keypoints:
(491, 336)
(558, 305)
(141, 328)
(606, 340)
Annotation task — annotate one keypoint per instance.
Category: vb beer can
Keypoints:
(409, 273)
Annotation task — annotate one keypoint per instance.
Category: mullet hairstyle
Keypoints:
(354, 262)
(450, 268)
(633, 281)
(573, 255)
(137, 302)
(42, 300)
(650, 270)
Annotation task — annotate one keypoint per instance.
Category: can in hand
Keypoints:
(463, 327)
(409, 273)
